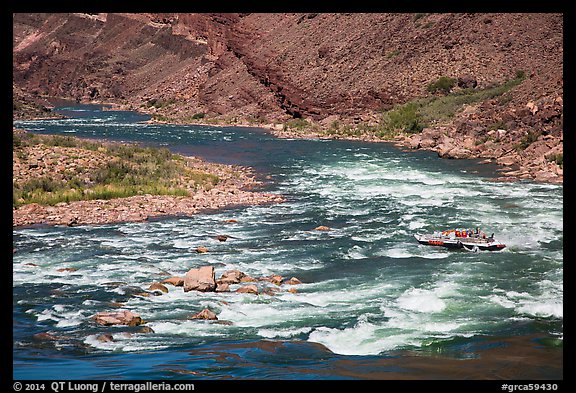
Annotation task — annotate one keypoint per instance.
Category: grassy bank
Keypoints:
(413, 116)
(49, 169)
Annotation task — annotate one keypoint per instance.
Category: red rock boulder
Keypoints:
(201, 279)
(205, 314)
(124, 317)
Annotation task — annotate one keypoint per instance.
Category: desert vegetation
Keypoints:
(50, 169)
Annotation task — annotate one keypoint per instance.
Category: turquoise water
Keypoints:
(371, 300)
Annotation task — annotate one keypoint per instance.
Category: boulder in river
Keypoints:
(200, 279)
(156, 286)
(45, 337)
(105, 338)
(293, 281)
(251, 288)
(274, 279)
(205, 314)
(231, 277)
(174, 280)
(123, 317)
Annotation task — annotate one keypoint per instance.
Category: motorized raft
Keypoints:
(456, 238)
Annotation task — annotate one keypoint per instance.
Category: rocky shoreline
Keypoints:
(137, 208)
(530, 164)
(236, 187)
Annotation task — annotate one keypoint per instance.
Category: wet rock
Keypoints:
(248, 289)
(270, 291)
(156, 286)
(201, 279)
(67, 269)
(205, 314)
(105, 338)
(231, 277)
(274, 279)
(124, 317)
(222, 238)
(45, 337)
(145, 329)
(293, 281)
(201, 250)
(174, 280)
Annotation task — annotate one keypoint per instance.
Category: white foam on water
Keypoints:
(122, 343)
(421, 300)
(252, 314)
(364, 338)
(396, 253)
(189, 328)
(548, 303)
(414, 252)
(283, 333)
(62, 315)
(542, 309)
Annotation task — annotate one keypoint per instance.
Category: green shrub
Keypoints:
(404, 118)
(130, 170)
(558, 158)
(296, 124)
(419, 15)
(443, 85)
(527, 140)
(520, 74)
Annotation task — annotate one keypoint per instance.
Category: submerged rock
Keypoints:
(45, 337)
(67, 269)
(174, 280)
(248, 289)
(222, 287)
(205, 314)
(156, 286)
(293, 281)
(201, 250)
(105, 338)
(274, 279)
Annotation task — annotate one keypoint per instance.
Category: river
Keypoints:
(373, 303)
